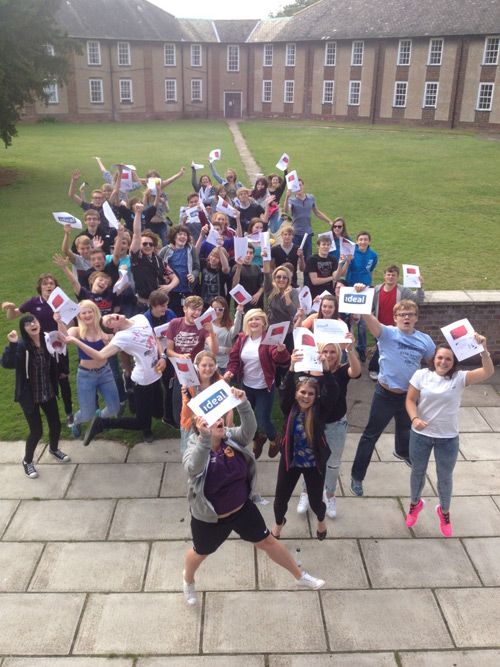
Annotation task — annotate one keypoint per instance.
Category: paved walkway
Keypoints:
(91, 564)
(251, 167)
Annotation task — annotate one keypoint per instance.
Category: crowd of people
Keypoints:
(142, 286)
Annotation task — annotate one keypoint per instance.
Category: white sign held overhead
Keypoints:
(185, 371)
(346, 247)
(282, 163)
(240, 246)
(197, 166)
(276, 333)
(460, 337)
(110, 216)
(214, 402)
(265, 246)
(351, 301)
(310, 361)
(205, 318)
(62, 304)
(411, 276)
(240, 295)
(224, 207)
(64, 218)
(302, 337)
(292, 181)
(330, 331)
(215, 154)
(317, 301)
(305, 299)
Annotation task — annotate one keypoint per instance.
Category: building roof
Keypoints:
(268, 30)
(235, 31)
(118, 19)
(198, 30)
(348, 19)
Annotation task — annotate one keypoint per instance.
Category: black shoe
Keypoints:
(30, 470)
(60, 456)
(94, 428)
(362, 355)
(148, 436)
(321, 535)
(406, 459)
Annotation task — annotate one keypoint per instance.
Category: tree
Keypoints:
(33, 54)
(293, 7)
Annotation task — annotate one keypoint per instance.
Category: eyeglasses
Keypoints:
(281, 277)
(406, 314)
(219, 310)
(148, 244)
(338, 226)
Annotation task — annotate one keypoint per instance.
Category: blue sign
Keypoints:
(212, 401)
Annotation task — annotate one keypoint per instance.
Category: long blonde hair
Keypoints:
(309, 414)
(96, 320)
(338, 350)
(275, 290)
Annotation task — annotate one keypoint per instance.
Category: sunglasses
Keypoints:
(148, 244)
(338, 226)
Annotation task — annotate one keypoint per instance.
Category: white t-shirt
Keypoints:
(439, 401)
(253, 375)
(140, 342)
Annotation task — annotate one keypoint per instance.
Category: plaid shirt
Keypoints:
(39, 373)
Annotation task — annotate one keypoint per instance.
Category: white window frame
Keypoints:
(52, 91)
(172, 98)
(352, 85)
(488, 44)
(173, 52)
(101, 90)
(196, 60)
(404, 52)
(123, 48)
(398, 87)
(480, 94)
(358, 50)
(289, 87)
(429, 84)
(267, 55)
(326, 85)
(124, 83)
(330, 54)
(193, 98)
(290, 54)
(267, 87)
(433, 52)
(233, 58)
(94, 52)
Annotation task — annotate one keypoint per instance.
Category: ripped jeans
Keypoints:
(335, 434)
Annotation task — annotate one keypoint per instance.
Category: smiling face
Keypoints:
(92, 221)
(206, 368)
(275, 182)
(363, 242)
(330, 355)
(32, 328)
(86, 315)
(181, 239)
(47, 286)
(327, 308)
(100, 284)
(244, 197)
(390, 278)
(305, 395)
(323, 247)
(338, 228)
(256, 228)
(443, 361)
(205, 182)
(256, 326)
(281, 279)
(97, 199)
(98, 261)
(147, 246)
(190, 313)
(287, 238)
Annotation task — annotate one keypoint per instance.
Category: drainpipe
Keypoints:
(114, 113)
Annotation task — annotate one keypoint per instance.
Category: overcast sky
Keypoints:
(235, 9)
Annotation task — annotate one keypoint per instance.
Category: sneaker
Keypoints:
(373, 375)
(60, 456)
(444, 522)
(76, 430)
(303, 504)
(70, 419)
(308, 581)
(93, 429)
(331, 507)
(412, 516)
(30, 470)
(189, 591)
(356, 487)
(406, 459)
(148, 437)
(274, 449)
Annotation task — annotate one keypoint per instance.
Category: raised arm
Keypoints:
(107, 351)
(62, 263)
(135, 244)
(167, 181)
(487, 369)
(194, 182)
(374, 326)
(214, 173)
(11, 310)
(65, 247)
(72, 187)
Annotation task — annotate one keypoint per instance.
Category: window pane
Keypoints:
(404, 52)
(93, 53)
(196, 92)
(268, 55)
(430, 94)
(328, 92)
(354, 92)
(491, 51)
(330, 53)
(123, 53)
(290, 55)
(96, 92)
(195, 55)
(267, 91)
(125, 90)
(357, 53)
(170, 90)
(169, 55)
(485, 96)
(435, 51)
(233, 58)
(400, 93)
(289, 90)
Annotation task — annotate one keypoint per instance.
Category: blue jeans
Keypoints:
(385, 406)
(88, 382)
(261, 401)
(335, 434)
(361, 338)
(307, 249)
(274, 222)
(445, 453)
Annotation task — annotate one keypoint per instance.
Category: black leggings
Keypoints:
(63, 380)
(34, 420)
(286, 483)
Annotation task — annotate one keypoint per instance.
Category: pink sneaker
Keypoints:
(412, 516)
(444, 522)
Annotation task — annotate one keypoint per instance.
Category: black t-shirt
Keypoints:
(280, 257)
(213, 283)
(323, 267)
(252, 279)
(246, 214)
(105, 301)
(107, 235)
(148, 273)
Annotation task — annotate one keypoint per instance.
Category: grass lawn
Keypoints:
(427, 197)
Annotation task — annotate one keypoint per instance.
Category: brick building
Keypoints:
(431, 62)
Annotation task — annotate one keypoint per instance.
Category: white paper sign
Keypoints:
(240, 246)
(292, 181)
(214, 238)
(317, 301)
(185, 371)
(224, 207)
(60, 302)
(305, 300)
(122, 282)
(330, 331)
(346, 247)
(460, 337)
(351, 301)
(282, 163)
(109, 215)
(64, 218)
(54, 344)
(214, 402)
(302, 337)
(205, 318)
(310, 361)
(152, 184)
(161, 334)
(127, 181)
(276, 333)
(240, 295)
(411, 275)
(215, 154)
(303, 242)
(265, 246)
(192, 214)
(197, 166)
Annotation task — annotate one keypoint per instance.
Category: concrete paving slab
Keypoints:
(480, 395)
(473, 615)
(351, 445)
(129, 623)
(204, 661)
(24, 629)
(91, 566)
(485, 554)
(383, 479)
(107, 451)
(471, 420)
(496, 500)
(473, 478)
(174, 484)
(68, 662)
(297, 525)
(334, 660)
(159, 451)
(151, 519)
(480, 446)
(355, 620)
(252, 612)
(231, 567)
(52, 482)
(337, 561)
(116, 480)
(13, 451)
(17, 562)
(471, 516)
(451, 659)
(61, 520)
(492, 416)
(267, 473)
(7, 509)
(368, 517)
(417, 563)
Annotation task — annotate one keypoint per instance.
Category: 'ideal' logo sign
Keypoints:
(212, 401)
(358, 299)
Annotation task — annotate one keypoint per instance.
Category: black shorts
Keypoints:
(247, 522)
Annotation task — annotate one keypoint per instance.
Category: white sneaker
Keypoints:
(303, 504)
(189, 591)
(331, 507)
(308, 581)
(373, 375)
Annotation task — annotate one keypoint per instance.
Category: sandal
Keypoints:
(278, 536)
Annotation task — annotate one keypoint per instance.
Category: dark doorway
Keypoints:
(232, 105)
